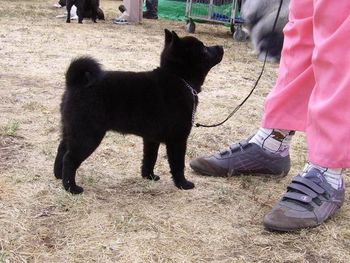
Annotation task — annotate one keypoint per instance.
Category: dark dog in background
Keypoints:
(62, 2)
(84, 7)
(100, 14)
(157, 105)
(259, 16)
(87, 13)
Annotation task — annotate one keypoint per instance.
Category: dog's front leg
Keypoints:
(150, 153)
(176, 151)
(69, 7)
(80, 11)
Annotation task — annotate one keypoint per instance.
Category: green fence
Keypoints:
(176, 10)
(172, 9)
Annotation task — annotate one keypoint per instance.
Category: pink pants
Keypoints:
(312, 92)
(134, 9)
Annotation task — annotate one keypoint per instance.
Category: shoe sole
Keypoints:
(278, 229)
(120, 22)
(203, 172)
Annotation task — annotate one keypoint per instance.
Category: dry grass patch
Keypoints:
(121, 217)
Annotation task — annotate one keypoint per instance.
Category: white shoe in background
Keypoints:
(73, 14)
(122, 19)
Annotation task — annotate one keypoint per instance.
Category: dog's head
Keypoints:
(188, 57)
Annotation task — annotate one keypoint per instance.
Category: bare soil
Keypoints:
(121, 217)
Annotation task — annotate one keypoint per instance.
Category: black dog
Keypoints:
(87, 13)
(157, 105)
(83, 7)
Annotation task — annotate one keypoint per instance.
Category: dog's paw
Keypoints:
(74, 189)
(58, 175)
(152, 177)
(185, 185)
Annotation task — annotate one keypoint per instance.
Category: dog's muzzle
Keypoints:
(216, 53)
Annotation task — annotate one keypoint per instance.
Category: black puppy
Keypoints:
(157, 105)
(83, 7)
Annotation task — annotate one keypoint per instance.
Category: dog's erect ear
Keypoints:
(171, 37)
(175, 36)
(168, 37)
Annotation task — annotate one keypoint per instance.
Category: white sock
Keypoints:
(333, 176)
(273, 140)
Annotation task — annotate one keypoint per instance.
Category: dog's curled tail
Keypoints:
(83, 72)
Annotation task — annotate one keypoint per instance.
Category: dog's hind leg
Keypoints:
(176, 151)
(150, 153)
(78, 151)
(94, 7)
(59, 159)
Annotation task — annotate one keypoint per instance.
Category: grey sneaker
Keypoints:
(242, 158)
(309, 201)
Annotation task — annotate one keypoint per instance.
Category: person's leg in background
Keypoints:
(132, 12)
(151, 9)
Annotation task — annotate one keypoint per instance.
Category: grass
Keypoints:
(121, 217)
(3, 257)
(10, 129)
(23, 9)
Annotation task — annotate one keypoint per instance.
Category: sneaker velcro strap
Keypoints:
(241, 144)
(234, 147)
(298, 197)
(303, 189)
(308, 183)
(238, 146)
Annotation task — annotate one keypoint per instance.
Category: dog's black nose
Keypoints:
(216, 54)
(220, 50)
(217, 49)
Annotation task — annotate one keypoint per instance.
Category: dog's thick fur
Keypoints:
(259, 16)
(156, 105)
(85, 8)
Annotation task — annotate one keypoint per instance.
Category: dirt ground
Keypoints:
(121, 217)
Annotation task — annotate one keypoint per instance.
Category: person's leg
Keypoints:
(285, 108)
(286, 105)
(140, 10)
(133, 13)
(152, 9)
(318, 192)
(329, 106)
(124, 17)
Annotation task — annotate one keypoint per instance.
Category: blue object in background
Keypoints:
(220, 17)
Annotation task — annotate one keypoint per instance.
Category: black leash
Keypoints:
(256, 82)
